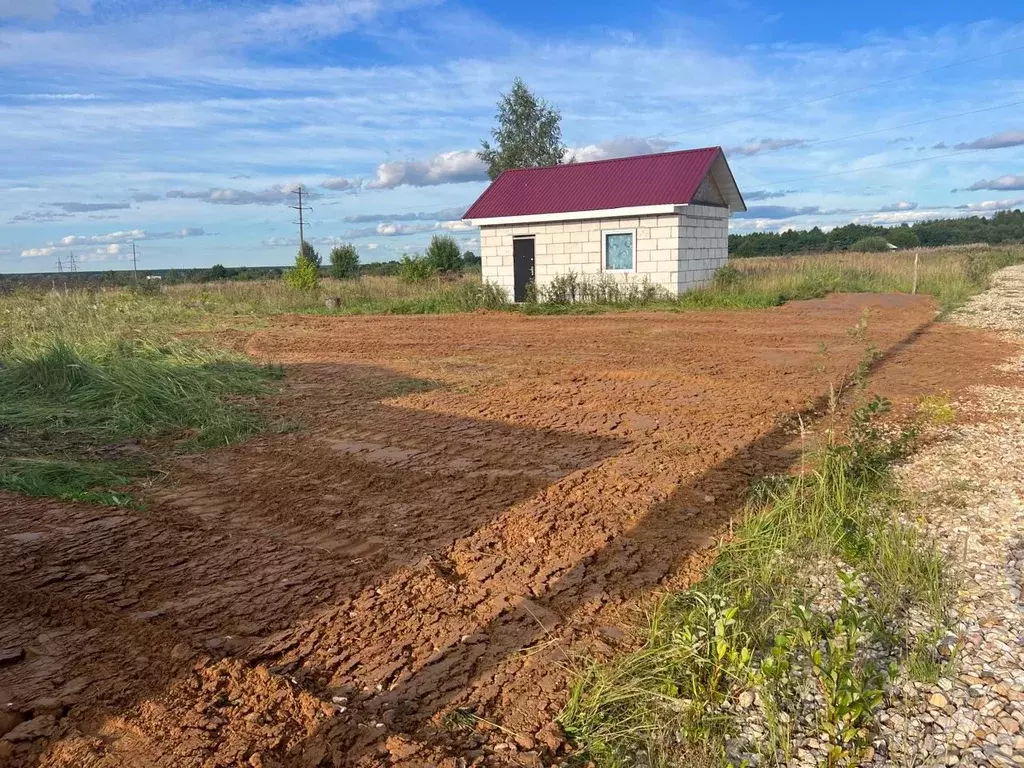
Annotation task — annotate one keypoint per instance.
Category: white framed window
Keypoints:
(618, 250)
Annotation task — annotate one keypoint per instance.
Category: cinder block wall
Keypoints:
(703, 244)
(575, 246)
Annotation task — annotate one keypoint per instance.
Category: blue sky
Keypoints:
(183, 125)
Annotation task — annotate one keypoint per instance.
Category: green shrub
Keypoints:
(307, 251)
(569, 288)
(727, 276)
(871, 245)
(416, 269)
(903, 237)
(344, 262)
(444, 255)
(304, 276)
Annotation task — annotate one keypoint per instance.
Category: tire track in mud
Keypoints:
(396, 559)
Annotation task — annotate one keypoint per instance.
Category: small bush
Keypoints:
(304, 276)
(444, 255)
(344, 262)
(416, 269)
(727, 276)
(307, 251)
(569, 288)
(871, 245)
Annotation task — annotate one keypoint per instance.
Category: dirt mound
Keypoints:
(399, 583)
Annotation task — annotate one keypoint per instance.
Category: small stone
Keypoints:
(526, 742)
(937, 700)
(551, 736)
(746, 699)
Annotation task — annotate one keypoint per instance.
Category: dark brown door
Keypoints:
(523, 266)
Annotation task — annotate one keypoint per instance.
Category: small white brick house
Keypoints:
(662, 217)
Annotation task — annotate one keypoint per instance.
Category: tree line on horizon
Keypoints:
(1003, 227)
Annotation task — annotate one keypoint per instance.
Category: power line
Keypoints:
(300, 208)
(843, 92)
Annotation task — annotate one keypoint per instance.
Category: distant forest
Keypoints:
(171, 276)
(1006, 226)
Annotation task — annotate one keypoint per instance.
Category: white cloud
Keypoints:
(902, 205)
(995, 141)
(757, 146)
(992, 205)
(764, 194)
(32, 252)
(771, 212)
(624, 146)
(113, 237)
(340, 184)
(111, 242)
(41, 9)
(444, 213)
(444, 168)
(90, 207)
(390, 229)
(281, 193)
(1007, 182)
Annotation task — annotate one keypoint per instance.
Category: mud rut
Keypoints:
(472, 498)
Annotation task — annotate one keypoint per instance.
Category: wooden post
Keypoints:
(917, 256)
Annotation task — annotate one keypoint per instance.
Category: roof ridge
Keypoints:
(612, 159)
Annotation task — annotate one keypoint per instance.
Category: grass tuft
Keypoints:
(64, 407)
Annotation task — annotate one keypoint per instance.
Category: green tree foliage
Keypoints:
(309, 252)
(1005, 226)
(304, 276)
(903, 237)
(470, 259)
(218, 272)
(416, 269)
(444, 255)
(344, 261)
(528, 134)
(873, 244)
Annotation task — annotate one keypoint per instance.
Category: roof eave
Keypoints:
(602, 213)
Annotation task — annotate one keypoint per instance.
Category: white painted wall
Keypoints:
(675, 251)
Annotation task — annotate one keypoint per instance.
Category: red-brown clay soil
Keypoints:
(471, 497)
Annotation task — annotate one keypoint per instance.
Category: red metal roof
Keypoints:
(667, 178)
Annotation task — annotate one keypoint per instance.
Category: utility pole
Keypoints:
(60, 266)
(301, 208)
(72, 267)
(135, 265)
(917, 258)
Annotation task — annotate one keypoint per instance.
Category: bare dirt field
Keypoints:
(469, 499)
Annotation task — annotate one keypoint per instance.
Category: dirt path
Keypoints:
(473, 495)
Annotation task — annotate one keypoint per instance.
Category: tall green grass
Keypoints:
(67, 406)
(951, 275)
(758, 615)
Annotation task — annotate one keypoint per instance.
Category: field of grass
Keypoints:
(94, 388)
(951, 275)
(84, 371)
